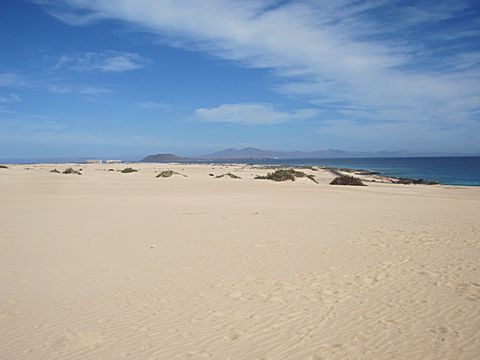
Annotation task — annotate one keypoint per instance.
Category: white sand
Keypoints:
(127, 266)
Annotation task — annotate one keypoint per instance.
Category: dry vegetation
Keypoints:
(347, 180)
(128, 170)
(286, 175)
(169, 173)
(229, 174)
(72, 171)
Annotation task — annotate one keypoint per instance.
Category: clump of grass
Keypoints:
(55, 171)
(347, 180)
(128, 170)
(71, 171)
(286, 175)
(3, 167)
(169, 173)
(229, 174)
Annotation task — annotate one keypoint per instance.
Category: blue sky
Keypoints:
(125, 78)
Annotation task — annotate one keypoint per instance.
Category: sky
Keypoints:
(127, 78)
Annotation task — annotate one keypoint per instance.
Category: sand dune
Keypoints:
(129, 266)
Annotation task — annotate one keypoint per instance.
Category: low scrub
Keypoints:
(406, 181)
(229, 174)
(55, 171)
(347, 180)
(169, 173)
(3, 167)
(286, 175)
(128, 170)
(72, 171)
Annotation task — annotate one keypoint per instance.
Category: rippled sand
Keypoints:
(129, 266)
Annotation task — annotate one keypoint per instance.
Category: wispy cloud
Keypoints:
(77, 89)
(251, 114)
(10, 98)
(365, 59)
(153, 105)
(109, 61)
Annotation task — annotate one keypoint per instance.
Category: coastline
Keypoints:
(455, 171)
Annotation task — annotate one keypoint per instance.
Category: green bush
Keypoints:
(286, 175)
(169, 173)
(128, 170)
(72, 171)
(347, 180)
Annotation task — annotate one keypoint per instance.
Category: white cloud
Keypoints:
(331, 52)
(251, 114)
(153, 105)
(110, 61)
(77, 89)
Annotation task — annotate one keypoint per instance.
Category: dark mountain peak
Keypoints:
(162, 158)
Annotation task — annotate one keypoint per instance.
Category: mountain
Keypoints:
(251, 153)
(254, 153)
(246, 153)
(164, 158)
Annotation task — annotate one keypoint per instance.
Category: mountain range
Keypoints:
(250, 153)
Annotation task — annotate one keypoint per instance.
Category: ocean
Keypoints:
(445, 170)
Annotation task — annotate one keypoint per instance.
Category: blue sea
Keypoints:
(445, 170)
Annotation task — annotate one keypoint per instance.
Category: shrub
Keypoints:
(347, 180)
(3, 167)
(406, 181)
(229, 174)
(128, 170)
(72, 171)
(55, 171)
(166, 173)
(286, 175)
(169, 173)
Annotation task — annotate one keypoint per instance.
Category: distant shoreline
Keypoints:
(394, 170)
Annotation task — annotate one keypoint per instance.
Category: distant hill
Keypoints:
(254, 153)
(164, 158)
(251, 153)
(246, 153)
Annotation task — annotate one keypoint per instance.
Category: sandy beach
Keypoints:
(109, 265)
